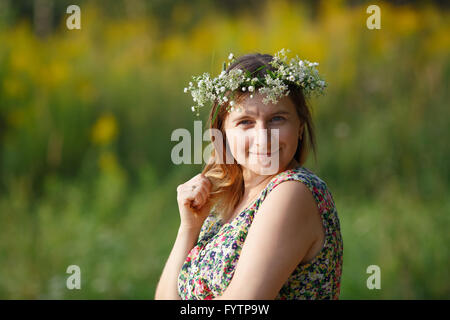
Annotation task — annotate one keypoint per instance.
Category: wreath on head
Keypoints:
(274, 84)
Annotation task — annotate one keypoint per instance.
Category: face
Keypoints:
(263, 138)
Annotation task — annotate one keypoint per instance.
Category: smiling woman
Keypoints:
(230, 211)
(259, 134)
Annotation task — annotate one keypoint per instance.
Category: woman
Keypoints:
(249, 230)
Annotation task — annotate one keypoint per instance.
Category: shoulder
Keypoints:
(293, 196)
(290, 197)
(302, 174)
(298, 184)
(285, 225)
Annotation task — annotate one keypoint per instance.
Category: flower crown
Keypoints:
(301, 73)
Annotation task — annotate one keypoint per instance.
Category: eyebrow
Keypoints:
(249, 115)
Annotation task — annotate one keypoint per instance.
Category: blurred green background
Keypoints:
(86, 117)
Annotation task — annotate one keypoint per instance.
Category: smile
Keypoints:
(264, 154)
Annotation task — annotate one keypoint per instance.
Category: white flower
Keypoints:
(300, 72)
(230, 56)
(193, 108)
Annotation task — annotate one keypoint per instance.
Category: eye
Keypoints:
(243, 122)
(279, 117)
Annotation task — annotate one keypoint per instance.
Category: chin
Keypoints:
(269, 163)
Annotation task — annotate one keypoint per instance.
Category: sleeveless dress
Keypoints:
(209, 266)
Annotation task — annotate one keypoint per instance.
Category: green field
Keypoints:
(86, 117)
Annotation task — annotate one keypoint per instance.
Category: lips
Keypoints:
(267, 154)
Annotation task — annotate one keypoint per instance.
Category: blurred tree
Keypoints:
(46, 14)
(43, 17)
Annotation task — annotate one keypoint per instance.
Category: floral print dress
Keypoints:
(209, 266)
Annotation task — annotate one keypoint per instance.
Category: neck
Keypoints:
(254, 183)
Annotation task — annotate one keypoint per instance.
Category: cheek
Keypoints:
(238, 142)
(285, 137)
(288, 140)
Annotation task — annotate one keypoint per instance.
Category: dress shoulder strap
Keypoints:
(317, 186)
(302, 174)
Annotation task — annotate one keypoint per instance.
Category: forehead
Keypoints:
(255, 107)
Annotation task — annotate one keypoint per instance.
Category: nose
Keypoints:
(264, 138)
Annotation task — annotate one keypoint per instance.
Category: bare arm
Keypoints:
(285, 227)
(167, 288)
(194, 207)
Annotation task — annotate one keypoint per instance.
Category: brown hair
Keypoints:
(227, 179)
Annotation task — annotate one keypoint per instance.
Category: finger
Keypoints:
(203, 181)
(188, 195)
(186, 188)
(198, 177)
(207, 183)
(192, 196)
(200, 197)
(191, 188)
(205, 190)
(194, 203)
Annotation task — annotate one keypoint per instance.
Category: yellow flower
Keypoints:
(105, 129)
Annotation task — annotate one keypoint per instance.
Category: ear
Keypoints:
(300, 131)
